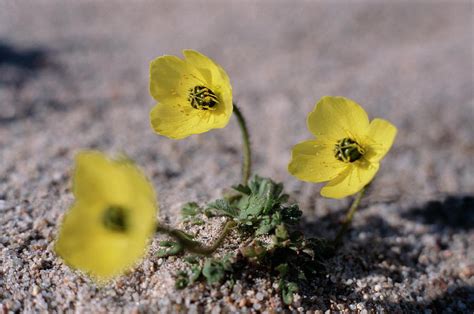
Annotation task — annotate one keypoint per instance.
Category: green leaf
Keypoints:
(283, 198)
(255, 250)
(282, 269)
(254, 184)
(291, 214)
(265, 226)
(281, 233)
(190, 210)
(277, 219)
(181, 280)
(254, 207)
(265, 187)
(196, 271)
(192, 259)
(269, 205)
(288, 289)
(221, 208)
(198, 222)
(244, 189)
(302, 275)
(213, 271)
(227, 261)
(169, 248)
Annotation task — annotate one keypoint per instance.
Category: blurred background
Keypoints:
(74, 76)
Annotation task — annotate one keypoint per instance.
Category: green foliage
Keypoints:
(181, 280)
(195, 268)
(258, 211)
(221, 208)
(190, 274)
(255, 250)
(261, 212)
(169, 248)
(190, 213)
(214, 271)
(288, 289)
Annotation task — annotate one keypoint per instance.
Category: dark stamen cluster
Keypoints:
(115, 218)
(348, 150)
(203, 98)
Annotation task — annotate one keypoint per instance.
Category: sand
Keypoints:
(74, 76)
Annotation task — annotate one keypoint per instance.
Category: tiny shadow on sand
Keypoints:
(454, 300)
(380, 249)
(30, 59)
(455, 212)
(374, 252)
(18, 67)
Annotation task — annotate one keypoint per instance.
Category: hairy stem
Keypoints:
(194, 246)
(247, 158)
(350, 214)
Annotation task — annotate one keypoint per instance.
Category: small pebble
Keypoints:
(361, 284)
(467, 271)
(216, 309)
(35, 290)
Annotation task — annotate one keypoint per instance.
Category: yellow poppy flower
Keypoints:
(347, 149)
(194, 95)
(107, 230)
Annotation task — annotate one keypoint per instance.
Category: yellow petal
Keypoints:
(84, 244)
(350, 181)
(137, 182)
(379, 139)
(218, 79)
(172, 77)
(207, 67)
(338, 118)
(314, 161)
(96, 178)
(177, 122)
(84, 241)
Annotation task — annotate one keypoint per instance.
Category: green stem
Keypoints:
(247, 159)
(350, 214)
(194, 246)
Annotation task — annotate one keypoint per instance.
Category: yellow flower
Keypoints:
(194, 95)
(347, 149)
(107, 230)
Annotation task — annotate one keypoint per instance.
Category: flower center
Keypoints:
(115, 219)
(203, 98)
(348, 150)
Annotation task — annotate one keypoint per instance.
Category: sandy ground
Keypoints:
(74, 75)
